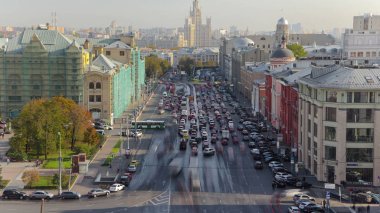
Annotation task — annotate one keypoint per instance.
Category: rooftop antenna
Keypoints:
(54, 20)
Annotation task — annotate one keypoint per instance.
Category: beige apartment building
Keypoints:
(339, 119)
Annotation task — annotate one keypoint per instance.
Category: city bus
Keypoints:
(149, 124)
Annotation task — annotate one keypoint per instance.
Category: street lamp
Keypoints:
(59, 165)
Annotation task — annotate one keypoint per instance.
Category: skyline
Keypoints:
(262, 16)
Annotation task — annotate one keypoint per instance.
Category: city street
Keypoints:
(228, 180)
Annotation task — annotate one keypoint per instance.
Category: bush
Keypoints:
(30, 177)
(82, 148)
(16, 155)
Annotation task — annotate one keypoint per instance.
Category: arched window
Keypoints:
(91, 85)
(98, 85)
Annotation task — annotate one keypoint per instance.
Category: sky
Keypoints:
(252, 14)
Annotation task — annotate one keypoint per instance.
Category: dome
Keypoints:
(282, 53)
(282, 21)
(241, 43)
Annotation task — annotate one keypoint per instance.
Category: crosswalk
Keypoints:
(161, 199)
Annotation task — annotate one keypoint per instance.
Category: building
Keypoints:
(362, 43)
(196, 33)
(40, 64)
(208, 56)
(338, 118)
(114, 80)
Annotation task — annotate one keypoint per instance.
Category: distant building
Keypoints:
(361, 44)
(196, 33)
(206, 56)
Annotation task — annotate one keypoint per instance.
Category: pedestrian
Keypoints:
(8, 161)
(353, 207)
(368, 209)
(324, 203)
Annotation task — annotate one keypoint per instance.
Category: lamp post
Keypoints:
(59, 166)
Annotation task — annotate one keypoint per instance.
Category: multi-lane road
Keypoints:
(228, 180)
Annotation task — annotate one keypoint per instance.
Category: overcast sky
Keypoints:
(254, 14)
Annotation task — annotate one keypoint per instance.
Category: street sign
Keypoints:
(329, 186)
(327, 195)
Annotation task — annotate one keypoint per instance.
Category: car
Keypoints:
(93, 193)
(302, 197)
(135, 133)
(282, 176)
(303, 184)
(245, 138)
(313, 208)
(255, 151)
(224, 142)
(251, 145)
(132, 168)
(293, 209)
(235, 140)
(194, 150)
(240, 127)
(208, 151)
(116, 187)
(278, 183)
(306, 204)
(41, 195)
(14, 194)
(244, 132)
(275, 164)
(259, 165)
(70, 195)
(257, 157)
(134, 162)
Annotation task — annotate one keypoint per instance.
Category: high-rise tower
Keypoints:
(197, 34)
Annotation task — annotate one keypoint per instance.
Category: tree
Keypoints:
(1, 177)
(186, 64)
(30, 176)
(298, 50)
(155, 67)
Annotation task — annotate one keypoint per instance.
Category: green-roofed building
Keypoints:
(39, 64)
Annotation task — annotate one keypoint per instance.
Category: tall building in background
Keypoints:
(196, 33)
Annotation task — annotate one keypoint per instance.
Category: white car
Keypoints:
(275, 164)
(255, 151)
(204, 134)
(293, 209)
(302, 205)
(208, 151)
(116, 187)
(282, 176)
(302, 196)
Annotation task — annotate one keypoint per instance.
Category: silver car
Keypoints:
(41, 195)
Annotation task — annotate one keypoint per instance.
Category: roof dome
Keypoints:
(282, 21)
(241, 43)
(282, 53)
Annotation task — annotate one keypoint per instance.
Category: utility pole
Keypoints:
(59, 166)
(42, 205)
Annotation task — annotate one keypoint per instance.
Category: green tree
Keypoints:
(186, 64)
(297, 49)
(155, 67)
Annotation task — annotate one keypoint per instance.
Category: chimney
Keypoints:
(86, 44)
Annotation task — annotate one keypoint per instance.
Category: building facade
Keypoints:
(338, 118)
(208, 56)
(40, 64)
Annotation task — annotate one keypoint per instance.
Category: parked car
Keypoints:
(278, 183)
(132, 168)
(70, 195)
(303, 184)
(208, 151)
(41, 195)
(313, 208)
(98, 192)
(116, 187)
(306, 205)
(14, 194)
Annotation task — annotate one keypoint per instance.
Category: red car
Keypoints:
(224, 141)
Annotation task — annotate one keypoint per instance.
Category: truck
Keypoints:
(126, 178)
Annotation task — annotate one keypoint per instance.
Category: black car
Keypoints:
(313, 208)
(257, 157)
(259, 165)
(303, 185)
(279, 183)
(14, 194)
(70, 195)
(291, 181)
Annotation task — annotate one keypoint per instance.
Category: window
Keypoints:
(330, 133)
(368, 54)
(359, 174)
(315, 111)
(91, 85)
(360, 55)
(14, 98)
(330, 114)
(98, 98)
(315, 148)
(98, 85)
(359, 135)
(308, 125)
(14, 87)
(309, 108)
(360, 97)
(330, 153)
(353, 54)
(108, 52)
(122, 53)
(359, 155)
(359, 115)
(308, 143)
(373, 54)
(331, 96)
(91, 98)
(58, 87)
(36, 86)
(315, 130)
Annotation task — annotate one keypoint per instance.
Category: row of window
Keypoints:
(364, 54)
(95, 98)
(121, 53)
(93, 85)
(353, 135)
(363, 155)
(352, 97)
